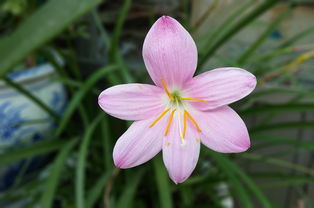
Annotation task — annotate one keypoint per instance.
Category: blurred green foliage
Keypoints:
(81, 173)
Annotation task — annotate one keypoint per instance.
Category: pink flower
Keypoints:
(181, 111)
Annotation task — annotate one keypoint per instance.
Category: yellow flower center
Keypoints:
(177, 102)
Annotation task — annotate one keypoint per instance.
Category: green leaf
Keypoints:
(54, 175)
(232, 30)
(211, 35)
(278, 108)
(97, 189)
(80, 169)
(129, 190)
(76, 100)
(229, 166)
(163, 185)
(114, 52)
(107, 146)
(270, 140)
(48, 21)
(278, 162)
(297, 37)
(259, 41)
(283, 125)
(30, 96)
(37, 148)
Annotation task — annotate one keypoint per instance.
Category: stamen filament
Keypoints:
(193, 120)
(169, 122)
(195, 99)
(184, 124)
(165, 88)
(159, 117)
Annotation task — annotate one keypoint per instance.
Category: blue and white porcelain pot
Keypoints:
(22, 122)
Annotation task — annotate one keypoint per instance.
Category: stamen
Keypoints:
(184, 124)
(165, 88)
(194, 99)
(184, 130)
(159, 117)
(169, 122)
(193, 120)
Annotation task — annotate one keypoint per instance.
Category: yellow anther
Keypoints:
(159, 117)
(193, 99)
(165, 88)
(193, 120)
(169, 122)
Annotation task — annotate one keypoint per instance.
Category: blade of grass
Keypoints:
(297, 37)
(31, 97)
(278, 162)
(279, 108)
(114, 52)
(37, 148)
(259, 41)
(106, 135)
(81, 162)
(75, 84)
(283, 125)
(238, 188)
(129, 190)
(94, 194)
(48, 21)
(270, 140)
(163, 185)
(260, 9)
(104, 34)
(211, 36)
(54, 175)
(211, 6)
(76, 100)
(270, 54)
(281, 90)
(225, 163)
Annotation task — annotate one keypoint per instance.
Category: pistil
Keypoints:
(174, 104)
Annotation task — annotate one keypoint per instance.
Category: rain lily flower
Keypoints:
(181, 111)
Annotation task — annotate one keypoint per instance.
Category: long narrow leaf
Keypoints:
(76, 100)
(279, 108)
(236, 28)
(162, 181)
(80, 168)
(97, 189)
(242, 176)
(128, 194)
(259, 41)
(30, 96)
(44, 24)
(54, 175)
(37, 148)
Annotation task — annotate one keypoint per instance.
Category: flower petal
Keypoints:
(139, 143)
(180, 160)
(223, 130)
(220, 87)
(169, 53)
(132, 101)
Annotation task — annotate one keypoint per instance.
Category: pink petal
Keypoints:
(223, 130)
(220, 87)
(132, 101)
(169, 53)
(180, 160)
(139, 143)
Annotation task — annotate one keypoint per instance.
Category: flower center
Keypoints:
(177, 104)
